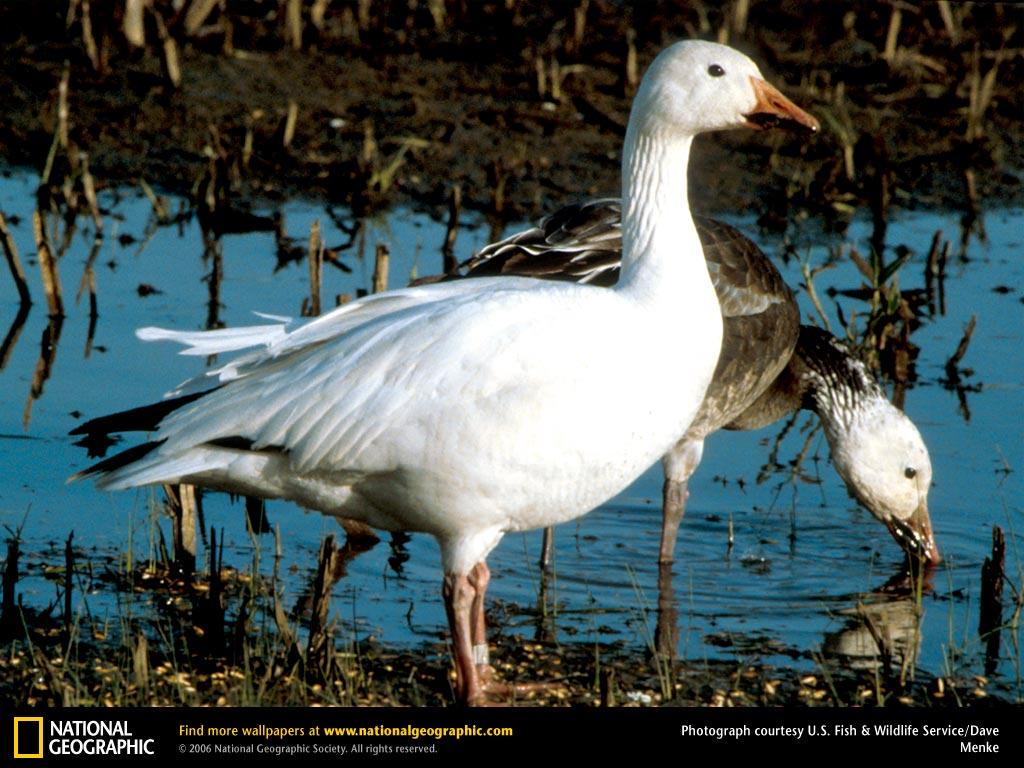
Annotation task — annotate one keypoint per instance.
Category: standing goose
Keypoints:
(465, 410)
(769, 366)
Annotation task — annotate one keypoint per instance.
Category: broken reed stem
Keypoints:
(363, 14)
(607, 687)
(961, 349)
(197, 13)
(579, 27)
(10, 623)
(316, 267)
(214, 613)
(69, 582)
(949, 21)
(547, 546)
(14, 262)
(632, 74)
(181, 506)
(62, 106)
(380, 268)
(320, 612)
(159, 208)
(438, 13)
(88, 281)
(47, 268)
(91, 50)
(891, 37)
(931, 268)
(290, 120)
(556, 79)
(971, 190)
(813, 295)
(140, 661)
(293, 24)
(134, 22)
(990, 617)
(172, 69)
(740, 13)
(980, 94)
(450, 264)
(89, 189)
(935, 271)
(318, 13)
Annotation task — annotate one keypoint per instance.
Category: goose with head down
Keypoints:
(466, 410)
(769, 366)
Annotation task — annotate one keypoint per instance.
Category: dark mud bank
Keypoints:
(521, 104)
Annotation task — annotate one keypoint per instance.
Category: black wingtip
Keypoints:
(118, 460)
(145, 418)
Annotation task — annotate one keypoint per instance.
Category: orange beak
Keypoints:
(915, 535)
(775, 110)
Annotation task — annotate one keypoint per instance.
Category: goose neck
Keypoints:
(661, 249)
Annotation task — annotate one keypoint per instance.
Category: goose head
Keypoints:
(884, 462)
(695, 86)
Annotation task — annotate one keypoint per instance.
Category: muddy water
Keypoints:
(804, 555)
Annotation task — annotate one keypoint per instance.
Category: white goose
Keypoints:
(466, 410)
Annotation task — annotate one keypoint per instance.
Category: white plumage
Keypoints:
(439, 413)
(470, 409)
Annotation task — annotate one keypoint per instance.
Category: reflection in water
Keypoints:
(88, 283)
(14, 263)
(666, 632)
(213, 255)
(399, 551)
(44, 366)
(13, 333)
(256, 521)
(48, 265)
(332, 567)
(882, 630)
(955, 374)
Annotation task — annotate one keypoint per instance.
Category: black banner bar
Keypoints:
(85, 736)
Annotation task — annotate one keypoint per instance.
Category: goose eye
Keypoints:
(715, 70)
(910, 473)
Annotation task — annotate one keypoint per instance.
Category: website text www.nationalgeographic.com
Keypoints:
(407, 731)
(973, 738)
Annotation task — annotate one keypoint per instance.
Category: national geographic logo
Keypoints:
(28, 737)
(32, 739)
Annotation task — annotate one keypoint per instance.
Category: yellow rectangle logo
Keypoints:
(30, 743)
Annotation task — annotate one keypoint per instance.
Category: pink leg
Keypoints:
(464, 600)
(479, 578)
(459, 597)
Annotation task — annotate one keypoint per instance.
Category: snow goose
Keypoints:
(769, 366)
(466, 410)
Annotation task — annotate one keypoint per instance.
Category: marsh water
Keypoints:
(786, 592)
